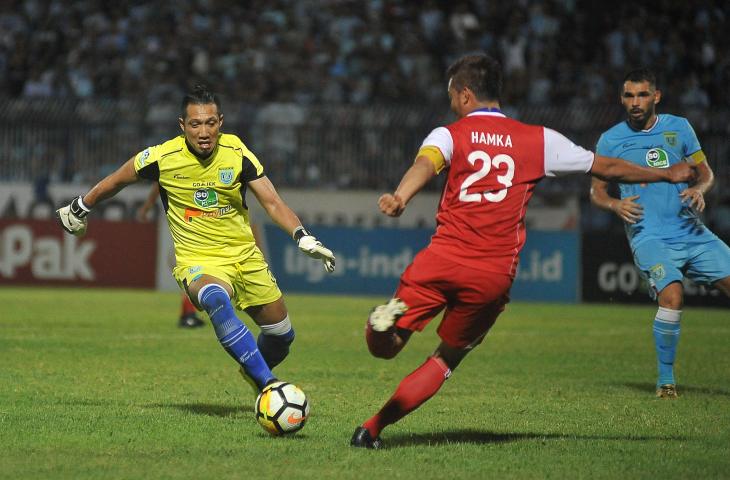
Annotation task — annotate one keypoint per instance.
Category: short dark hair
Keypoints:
(640, 75)
(200, 95)
(481, 73)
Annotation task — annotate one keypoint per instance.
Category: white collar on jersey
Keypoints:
(658, 119)
(491, 112)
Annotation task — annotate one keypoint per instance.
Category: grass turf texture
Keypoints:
(102, 384)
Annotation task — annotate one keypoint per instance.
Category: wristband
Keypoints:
(78, 208)
(299, 232)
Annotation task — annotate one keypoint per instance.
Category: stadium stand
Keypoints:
(86, 83)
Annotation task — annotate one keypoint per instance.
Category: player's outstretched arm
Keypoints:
(617, 170)
(412, 182)
(626, 208)
(73, 216)
(288, 221)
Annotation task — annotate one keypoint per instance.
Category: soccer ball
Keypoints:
(282, 408)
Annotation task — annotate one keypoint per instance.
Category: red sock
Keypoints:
(187, 307)
(413, 391)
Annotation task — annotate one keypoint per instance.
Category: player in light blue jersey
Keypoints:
(666, 235)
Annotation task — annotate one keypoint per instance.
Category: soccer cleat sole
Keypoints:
(384, 316)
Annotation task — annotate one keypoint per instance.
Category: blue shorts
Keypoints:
(701, 257)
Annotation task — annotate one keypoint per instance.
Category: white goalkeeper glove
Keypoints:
(73, 217)
(308, 244)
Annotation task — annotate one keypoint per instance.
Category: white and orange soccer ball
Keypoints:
(282, 408)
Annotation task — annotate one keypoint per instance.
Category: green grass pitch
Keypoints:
(102, 384)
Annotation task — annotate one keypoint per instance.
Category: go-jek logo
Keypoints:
(205, 197)
(657, 158)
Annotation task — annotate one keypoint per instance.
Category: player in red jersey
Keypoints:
(493, 164)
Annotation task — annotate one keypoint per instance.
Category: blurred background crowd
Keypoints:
(359, 52)
(338, 94)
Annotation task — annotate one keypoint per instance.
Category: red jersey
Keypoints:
(494, 164)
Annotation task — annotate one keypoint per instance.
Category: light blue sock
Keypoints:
(274, 341)
(233, 335)
(666, 338)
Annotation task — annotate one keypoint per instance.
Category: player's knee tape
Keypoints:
(274, 341)
(215, 301)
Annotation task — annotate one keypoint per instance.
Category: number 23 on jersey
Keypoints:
(486, 166)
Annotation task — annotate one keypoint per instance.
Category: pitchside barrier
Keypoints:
(370, 261)
(112, 254)
(557, 263)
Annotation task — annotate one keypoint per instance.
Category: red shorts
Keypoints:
(473, 298)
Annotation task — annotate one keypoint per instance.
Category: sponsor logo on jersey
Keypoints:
(192, 213)
(657, 158)
(657, 272)
(205, 197)
(144, 156)
(670, 138)
(225, 175)
(194, 269)
(178, 176)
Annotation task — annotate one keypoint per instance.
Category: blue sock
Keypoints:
(274, 341)
(666, 337)
(233, 335)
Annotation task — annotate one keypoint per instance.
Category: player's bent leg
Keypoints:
(193, 288)
(236, 339)
(451, 356)
(666, 329)
(672, 296)
(277, 333)
(383, 338)
(189, 314)
(386, 345)
(412, 392)
(723, 285)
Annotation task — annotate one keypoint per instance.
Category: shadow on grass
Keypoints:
(482, 437)
(650, 388)
(209, 409)
(196, 408)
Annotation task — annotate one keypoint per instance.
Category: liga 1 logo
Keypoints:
(657, 158)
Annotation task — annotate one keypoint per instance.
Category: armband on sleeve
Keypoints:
(697, 157)
(434, 155)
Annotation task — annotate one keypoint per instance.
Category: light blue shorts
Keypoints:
(702, 257)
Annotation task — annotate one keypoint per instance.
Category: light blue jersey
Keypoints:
(669, 241)
(669, 141)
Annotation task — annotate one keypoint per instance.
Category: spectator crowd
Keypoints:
(359, 52)
(287, 70)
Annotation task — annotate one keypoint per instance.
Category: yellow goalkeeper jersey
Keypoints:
(204, 199)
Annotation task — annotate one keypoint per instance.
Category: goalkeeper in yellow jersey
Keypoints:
(203, 176)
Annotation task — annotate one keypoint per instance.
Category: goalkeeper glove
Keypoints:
(73, 217)
(308, 244)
